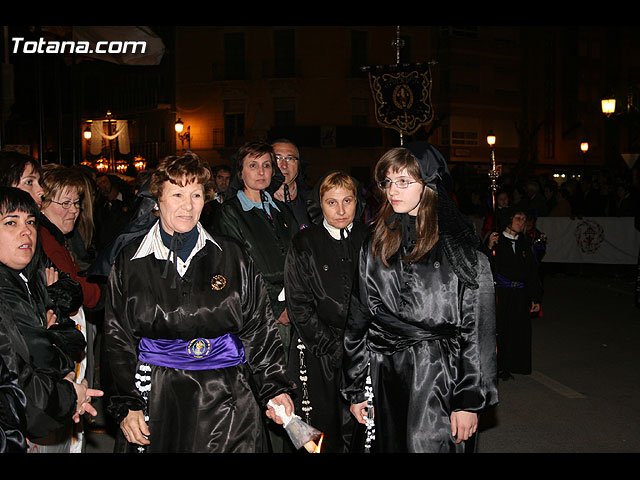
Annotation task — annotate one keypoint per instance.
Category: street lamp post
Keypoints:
(111, 144)
(629, 115)
(179, 126)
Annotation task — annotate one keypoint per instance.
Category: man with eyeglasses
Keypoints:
(293, 191)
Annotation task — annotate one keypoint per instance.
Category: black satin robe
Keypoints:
(431, 345)
(220, 410)
(513, 304)
(319, 272)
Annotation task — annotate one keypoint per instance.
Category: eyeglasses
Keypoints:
(288, 158)
(67, 204)
(402, 183)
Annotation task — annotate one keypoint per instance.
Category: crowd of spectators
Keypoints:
(542, 195)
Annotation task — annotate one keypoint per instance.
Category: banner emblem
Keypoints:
(402, 96)
(589, 236)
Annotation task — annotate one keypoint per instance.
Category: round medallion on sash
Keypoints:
(199, 347)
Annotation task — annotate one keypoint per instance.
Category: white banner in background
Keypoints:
(607, 240)
(98, 134)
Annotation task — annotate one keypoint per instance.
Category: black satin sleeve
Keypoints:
(263, 348)
(50, 348)
(302, 285)
(66, 295)
(13, 405)
(476, 388)
(51, 400)
(355, 360)
(121, 345)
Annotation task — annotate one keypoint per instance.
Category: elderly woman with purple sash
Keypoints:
(190, 336)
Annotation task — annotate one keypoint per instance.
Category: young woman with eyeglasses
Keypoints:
(421, 324)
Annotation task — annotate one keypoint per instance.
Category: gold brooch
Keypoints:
(218, 282)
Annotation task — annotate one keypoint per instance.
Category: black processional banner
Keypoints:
(402, 96)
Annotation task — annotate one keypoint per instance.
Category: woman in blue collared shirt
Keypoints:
(263, 224)
(265, 227)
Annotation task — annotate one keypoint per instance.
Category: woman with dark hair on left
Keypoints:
(24, 172)
(37, 342)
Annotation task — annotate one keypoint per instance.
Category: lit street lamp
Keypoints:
(87, 130)
(584, 147)
(608, 106)
(179, 126)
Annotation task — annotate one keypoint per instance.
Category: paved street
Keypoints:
(584, 393)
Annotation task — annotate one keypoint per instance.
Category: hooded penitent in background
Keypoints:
(518, 293)
(422, 317)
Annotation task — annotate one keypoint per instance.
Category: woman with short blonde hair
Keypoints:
(65, 190)
(319, 272)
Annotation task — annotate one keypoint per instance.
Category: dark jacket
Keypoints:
(40, 356)
(517, 264)
(13, 404)
(267, 240)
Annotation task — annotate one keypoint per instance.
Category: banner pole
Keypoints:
(398, 46)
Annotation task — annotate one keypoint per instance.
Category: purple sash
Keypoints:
(502, 281)
(197, 354)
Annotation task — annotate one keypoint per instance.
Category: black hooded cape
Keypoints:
(425, 330)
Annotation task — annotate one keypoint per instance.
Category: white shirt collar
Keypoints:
(335, 232)
(509, 236)
(152, 244)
